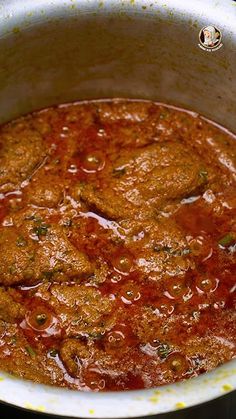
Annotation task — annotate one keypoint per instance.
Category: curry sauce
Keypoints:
(117, 245)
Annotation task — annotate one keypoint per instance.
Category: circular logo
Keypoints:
(210, 38)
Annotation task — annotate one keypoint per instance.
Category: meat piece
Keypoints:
(217, 149)
(161, 247)
(16, 257)
(217, 344)
(60, 258)
(21, 151)
(45, 190)
(18, 357)
(106, 202)
(208, 352)
(10, 310)
(149, 326)
(154, 233)
(118, 110)
(75, 354)
(145, 179)
(36, 250)
(83, 310)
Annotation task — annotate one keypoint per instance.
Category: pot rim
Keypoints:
(134, 403)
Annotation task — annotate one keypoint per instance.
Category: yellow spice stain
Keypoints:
(91, 412)
(221, 375)
(1, 379)
(157, 392)
(16, 29)
(180, 405)
(101, 4)
(153, 399)
(132, 1)
(227, 387)
(39, 408)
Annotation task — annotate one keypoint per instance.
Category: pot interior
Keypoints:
(60, 52)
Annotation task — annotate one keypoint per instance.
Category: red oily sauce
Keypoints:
(117, 245)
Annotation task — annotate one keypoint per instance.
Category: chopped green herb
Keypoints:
(53, 353)
(21, 242)
(41, 230)
(30, 351)
(32, 257)
(33, 218)
(227, 240)
(203, 174)
(95, 335)
(13, 340)
(164, 114)
(157, 248)
(168, 249)
(67, 223)
(163, 350)
(171, 250)
(12, 269)
(48, 274)
(119, 172)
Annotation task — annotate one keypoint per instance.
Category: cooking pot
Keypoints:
(54, 51)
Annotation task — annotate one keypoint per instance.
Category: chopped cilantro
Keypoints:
(163, 350)
(30, 351)
(227, 240)
(53, 352)
(118, 172)
(41, 230)
(21, 241)
(203, 174)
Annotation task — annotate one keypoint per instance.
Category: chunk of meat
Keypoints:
(161, 247)
(85, 361)
(21, 151)
(119, 110)
(18, 357)
(209, 351)
(58, 256)
(75, 354)
(217, 150)
(39, 251)
(83, 310)
(10, 310)
(16, 257)
(144, 179)
(45, 190)
(217, 345)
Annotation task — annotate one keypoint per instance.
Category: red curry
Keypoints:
(117, 245)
